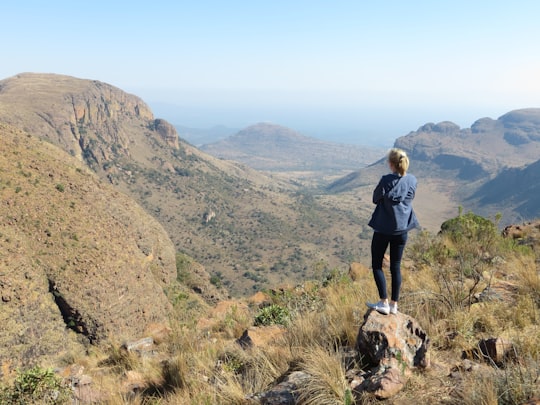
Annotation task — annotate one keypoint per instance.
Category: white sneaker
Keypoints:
(380, 306)
(393, 308)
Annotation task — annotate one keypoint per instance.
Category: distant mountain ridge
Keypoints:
(488, 146)
(479, 167)
(272, 147)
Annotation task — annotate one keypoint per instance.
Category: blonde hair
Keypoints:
(398, 158)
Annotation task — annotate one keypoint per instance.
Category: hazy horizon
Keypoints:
(369, 125)
(363, 71)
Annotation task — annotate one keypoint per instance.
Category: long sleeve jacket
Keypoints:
(393, 196)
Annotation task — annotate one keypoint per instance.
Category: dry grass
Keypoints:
(326, 384)
(198, 365)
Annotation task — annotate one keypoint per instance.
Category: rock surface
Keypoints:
(391, 345)
(260, 336)
(384, 340)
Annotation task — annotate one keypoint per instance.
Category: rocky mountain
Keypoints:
(482, 150)
(273, 147)
(248, 229)
(463, 166)
(80, 262)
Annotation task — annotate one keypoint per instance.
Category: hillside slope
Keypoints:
(246, 228)
(80, 262)
(515, 188)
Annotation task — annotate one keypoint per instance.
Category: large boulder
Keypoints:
(385, 339)
(389, 346)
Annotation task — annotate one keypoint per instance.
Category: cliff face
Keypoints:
(89, 119)
(79, 261)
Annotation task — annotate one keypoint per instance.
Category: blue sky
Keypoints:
(357, 71)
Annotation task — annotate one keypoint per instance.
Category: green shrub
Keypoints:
(183, 265)
(36, 386)
(272, 315)
(216, 279)
(470, 227)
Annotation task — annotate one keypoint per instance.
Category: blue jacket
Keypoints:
(394, 212)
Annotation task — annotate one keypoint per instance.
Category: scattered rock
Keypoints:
(465, 366)
(139, 345)
(391, 345)
(260, 336)
(143, 347)
(496, 351)
(384, 383)
(513, 232)
(284, 392)
(499, 290)
(358, 271)
(259, 300)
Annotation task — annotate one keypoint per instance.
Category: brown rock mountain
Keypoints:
(80, 261)
(247, 229)
(273, 147)
(481, 168)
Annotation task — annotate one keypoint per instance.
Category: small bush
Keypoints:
(272, 315)
(183, 265)
(36, 385)
(60, 187)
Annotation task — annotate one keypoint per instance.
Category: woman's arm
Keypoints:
(378, 193)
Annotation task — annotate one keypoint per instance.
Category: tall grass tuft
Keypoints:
(326, 384)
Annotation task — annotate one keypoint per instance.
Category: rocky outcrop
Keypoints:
(285, 392)
(115, 134)
(494, 351)
(91, 120)
(167, 132)
(494, 162)
(388, 348)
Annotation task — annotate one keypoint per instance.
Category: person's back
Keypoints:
(394, 213)
(391, 221)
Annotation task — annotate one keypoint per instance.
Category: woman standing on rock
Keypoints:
(391, 221)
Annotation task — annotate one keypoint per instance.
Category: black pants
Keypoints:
(378, 247)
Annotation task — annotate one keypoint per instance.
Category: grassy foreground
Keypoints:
(465, 284)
